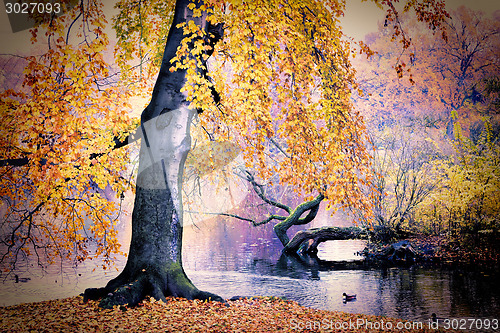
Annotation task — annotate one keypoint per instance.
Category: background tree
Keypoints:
(404, 176)
(445, 116)
(451, 74)
(272, 59)
(464, 205)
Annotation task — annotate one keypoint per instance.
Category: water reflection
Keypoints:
(232, 258)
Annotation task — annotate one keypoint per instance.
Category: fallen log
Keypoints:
(307, 241)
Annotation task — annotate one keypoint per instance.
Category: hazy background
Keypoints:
(361, 17)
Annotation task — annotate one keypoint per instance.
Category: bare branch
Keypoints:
(259, 190)
(18, 162)
(255, 224)
(279, 147)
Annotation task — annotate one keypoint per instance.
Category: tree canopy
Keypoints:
(284, 81)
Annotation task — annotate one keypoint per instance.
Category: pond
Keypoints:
(230, 258)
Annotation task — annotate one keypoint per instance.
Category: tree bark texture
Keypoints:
(282, 227)
(154, 264)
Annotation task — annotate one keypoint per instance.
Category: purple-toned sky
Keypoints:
(360, 18)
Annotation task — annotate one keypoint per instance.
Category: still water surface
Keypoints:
(230, 258)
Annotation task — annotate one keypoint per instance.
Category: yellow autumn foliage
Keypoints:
(467, 198)
(285, 80)
(63, 121)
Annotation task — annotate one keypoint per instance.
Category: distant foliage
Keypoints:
(467, 198)
(452, 80)
(440, 171)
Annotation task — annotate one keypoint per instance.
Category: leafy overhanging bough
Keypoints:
(59, 128)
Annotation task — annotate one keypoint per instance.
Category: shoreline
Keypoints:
(435, 250)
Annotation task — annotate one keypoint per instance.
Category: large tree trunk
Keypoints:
(154, 265)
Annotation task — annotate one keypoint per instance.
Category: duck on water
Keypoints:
(348, 298)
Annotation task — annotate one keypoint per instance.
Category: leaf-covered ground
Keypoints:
(181, 315)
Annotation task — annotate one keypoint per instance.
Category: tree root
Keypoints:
(130, 291)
